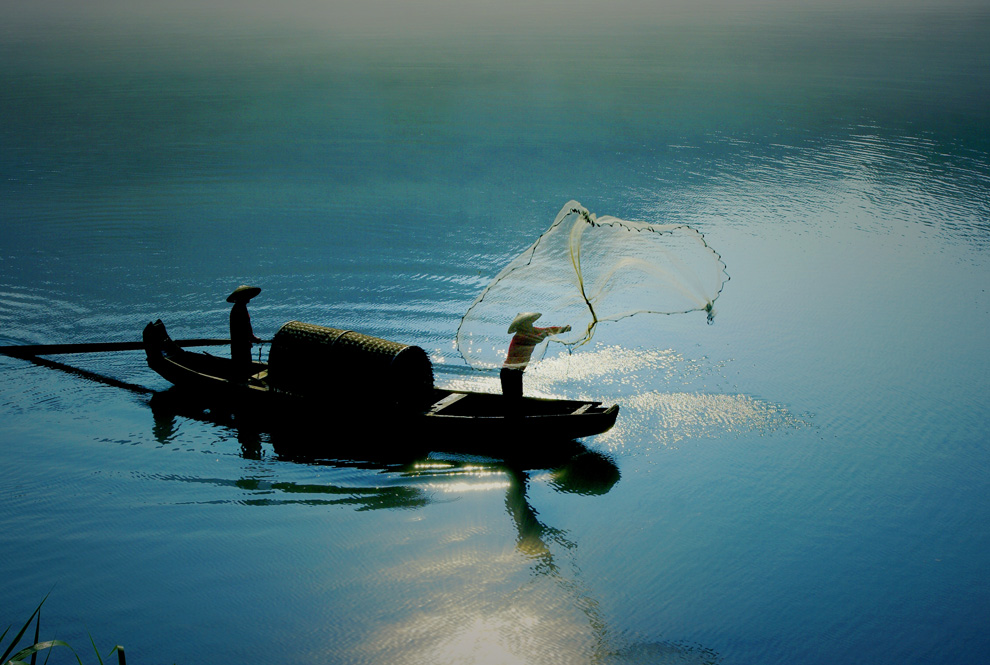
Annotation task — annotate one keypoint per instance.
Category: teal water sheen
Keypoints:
(807, 480)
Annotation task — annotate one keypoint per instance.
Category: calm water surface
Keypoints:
(805, 481)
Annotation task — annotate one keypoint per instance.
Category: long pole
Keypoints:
(30, 350)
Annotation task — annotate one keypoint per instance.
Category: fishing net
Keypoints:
(585, 270)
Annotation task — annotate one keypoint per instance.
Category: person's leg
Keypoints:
(240, 354)
(512, 382)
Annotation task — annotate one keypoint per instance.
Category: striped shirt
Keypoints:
(522, 345)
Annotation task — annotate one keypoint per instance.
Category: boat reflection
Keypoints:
(420, 469)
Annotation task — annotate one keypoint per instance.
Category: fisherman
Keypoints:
(241, 334)
(525, 339)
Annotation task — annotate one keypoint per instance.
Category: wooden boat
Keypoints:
(344, 377)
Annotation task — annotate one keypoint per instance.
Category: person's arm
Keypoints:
(552, 330)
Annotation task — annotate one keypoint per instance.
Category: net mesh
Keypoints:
(586, 270)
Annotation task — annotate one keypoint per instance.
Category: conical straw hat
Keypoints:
(243, 293)
(523, 320)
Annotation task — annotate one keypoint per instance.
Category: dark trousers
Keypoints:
(512, 382)
(241, 355)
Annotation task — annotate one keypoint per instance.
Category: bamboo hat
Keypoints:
(523, 320)
(243, 293)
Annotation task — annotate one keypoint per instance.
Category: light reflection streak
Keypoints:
(476, 614)
(466, 486)
(484, 640)
(533, 605)
(449, 478)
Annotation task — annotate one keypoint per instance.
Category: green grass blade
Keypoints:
(19, 657)
(20, 634)
(95, 650)
(119, 650)
(37, 638)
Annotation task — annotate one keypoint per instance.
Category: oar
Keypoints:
(29, 350)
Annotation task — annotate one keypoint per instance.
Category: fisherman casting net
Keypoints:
(585, 270)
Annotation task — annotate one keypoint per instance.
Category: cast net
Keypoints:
(586, 270)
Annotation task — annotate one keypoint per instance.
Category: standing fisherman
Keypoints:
(526, 338)
(241, 334)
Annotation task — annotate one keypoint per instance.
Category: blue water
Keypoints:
(805, 481)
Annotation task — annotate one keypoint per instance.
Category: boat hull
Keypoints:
(465, 416)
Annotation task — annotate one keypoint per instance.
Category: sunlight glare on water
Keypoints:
(649, 386)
